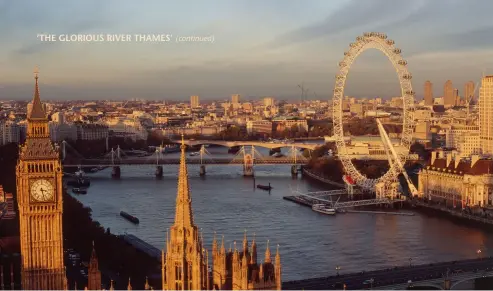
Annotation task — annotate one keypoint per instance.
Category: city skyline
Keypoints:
(259, 50)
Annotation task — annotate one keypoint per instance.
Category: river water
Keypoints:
(311, 244)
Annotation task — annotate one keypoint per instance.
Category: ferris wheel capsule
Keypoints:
(411, 93)
(390, 42)
(402, 62)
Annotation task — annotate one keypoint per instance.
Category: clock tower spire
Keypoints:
(40, 201)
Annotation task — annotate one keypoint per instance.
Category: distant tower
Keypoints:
(486, 114)
(235, 98)
(428, 93)
(186, 265)
(268, 101)
(94, 275)
(448, 94)
(456, 97)
(194, 101)
(469, 91)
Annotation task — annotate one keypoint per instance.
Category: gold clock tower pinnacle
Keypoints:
(39, 197)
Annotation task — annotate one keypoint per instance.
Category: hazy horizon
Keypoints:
(261, 48)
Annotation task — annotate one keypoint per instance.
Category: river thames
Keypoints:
(311, 244)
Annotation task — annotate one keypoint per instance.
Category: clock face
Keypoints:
(42, 190)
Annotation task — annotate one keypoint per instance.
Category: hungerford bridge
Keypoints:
(247, 156)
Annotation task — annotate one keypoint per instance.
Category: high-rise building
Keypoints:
(194, 101)
(456, 97)
(486, 114)
(448, 94)
(185, 266)
(469, 91)
(235, 98)
(40, 201)
(428, 93)
(268, 101)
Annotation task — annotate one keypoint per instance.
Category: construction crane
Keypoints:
(469, 98)
(304, 91)
(388, 146)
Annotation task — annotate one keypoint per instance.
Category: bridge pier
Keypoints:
(248, 171)
(159, 172)
(202, 170)
(294, 171)
(116, 172)
(446, 284)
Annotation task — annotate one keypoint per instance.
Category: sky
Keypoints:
(260, 48)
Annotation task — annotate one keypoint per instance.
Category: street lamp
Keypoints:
(371, 283)
(410, 262)
(479, 253)
(337, 269)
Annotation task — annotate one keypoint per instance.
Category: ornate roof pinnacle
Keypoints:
(37, 111)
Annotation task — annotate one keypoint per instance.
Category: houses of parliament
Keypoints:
(184, 261)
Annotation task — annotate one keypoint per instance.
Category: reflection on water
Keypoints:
(311, 244)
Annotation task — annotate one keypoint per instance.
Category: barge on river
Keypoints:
(129, 217)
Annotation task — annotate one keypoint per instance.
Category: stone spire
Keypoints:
(245, 243)
(183, 214)
(94, 275)
(146, 286)
(267, 254)
(37, 111)
(129, 287)
(278, 257)
(214, 244)
(223, 250)
(93, 263)
(253, 259)
(111, 286)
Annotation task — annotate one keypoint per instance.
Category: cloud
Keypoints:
(355, 14)
(24, 24)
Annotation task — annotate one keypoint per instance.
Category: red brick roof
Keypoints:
(483, 166)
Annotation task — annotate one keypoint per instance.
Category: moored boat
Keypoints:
(324, 209)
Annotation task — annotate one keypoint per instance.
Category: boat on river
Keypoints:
(324, 209)
(265, 187)
(129, 217)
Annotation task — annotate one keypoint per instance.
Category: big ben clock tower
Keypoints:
(39, 195)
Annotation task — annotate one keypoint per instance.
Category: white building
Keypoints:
(259, 127)
(126, 127)
(486, 114)
(457, 181)
(464, 138)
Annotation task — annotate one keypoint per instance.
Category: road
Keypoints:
(391, 276)
(439, 281)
